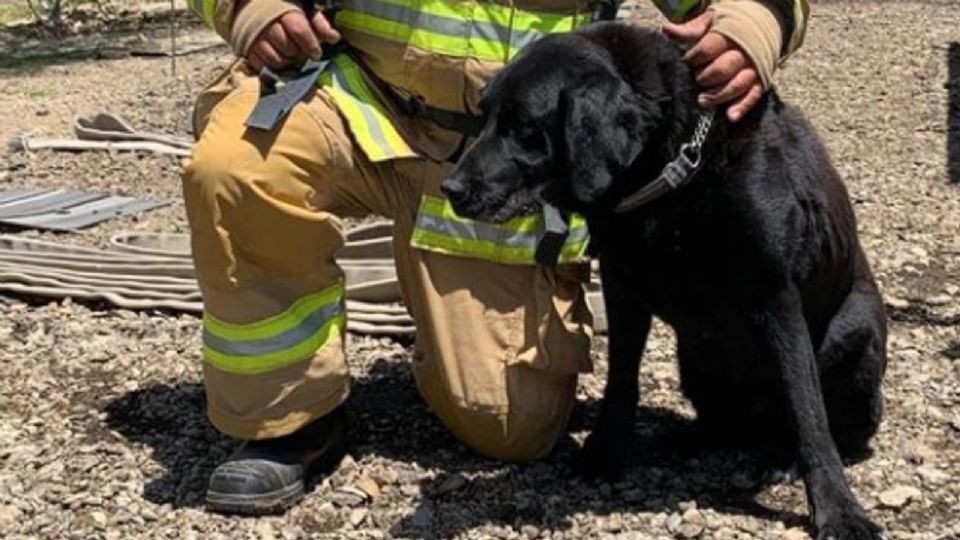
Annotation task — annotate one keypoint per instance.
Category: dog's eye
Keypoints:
(528, 137)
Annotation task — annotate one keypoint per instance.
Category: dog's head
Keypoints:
(561, 124)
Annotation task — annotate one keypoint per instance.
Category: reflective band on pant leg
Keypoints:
(284, 339)
(439, 229)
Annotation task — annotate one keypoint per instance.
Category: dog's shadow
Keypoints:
(388, 419)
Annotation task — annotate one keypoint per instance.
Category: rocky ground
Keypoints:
(102, 433)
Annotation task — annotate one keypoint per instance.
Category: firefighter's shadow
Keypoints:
(389, 420)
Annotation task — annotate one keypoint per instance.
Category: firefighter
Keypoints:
(500, 340)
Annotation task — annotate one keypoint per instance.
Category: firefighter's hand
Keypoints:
(724, 71)
(289, 37)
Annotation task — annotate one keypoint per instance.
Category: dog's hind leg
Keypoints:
(783, 335)
(607, 448)
(852, 361)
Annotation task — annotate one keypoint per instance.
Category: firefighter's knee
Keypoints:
(523, 429)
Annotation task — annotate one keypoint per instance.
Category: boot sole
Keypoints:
(258, 504)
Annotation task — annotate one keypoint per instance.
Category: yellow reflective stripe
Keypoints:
(206, 9)
(249, 365)
(438, 228)
(801, 10)
(441, 207)
(485, 11)
(358, 124)
(481, 249)
(278, 341)
(457, 9)
(547, 23)
(491, 251)
(368, 122)
(485, 31)
(363, 122)
(358, 86)
(422, 39)
(575, 252)
(210, 12)
(374, 25)
(279, 323)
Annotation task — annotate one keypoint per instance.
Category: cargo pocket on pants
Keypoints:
(558, 324)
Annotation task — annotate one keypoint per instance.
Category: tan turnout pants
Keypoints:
(498, 347)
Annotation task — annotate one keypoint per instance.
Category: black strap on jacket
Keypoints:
(276, 101)
(463, 123)
(556, 230)
(606, 10)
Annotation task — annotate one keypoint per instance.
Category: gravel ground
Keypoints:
(102, 433)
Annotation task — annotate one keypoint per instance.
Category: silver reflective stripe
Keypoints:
(373, 125)
(478, 230)
(442, 25)
(520, 40)
(411, 17)
(281, 342)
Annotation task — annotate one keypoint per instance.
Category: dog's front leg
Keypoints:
(783, 333)
(607, 448)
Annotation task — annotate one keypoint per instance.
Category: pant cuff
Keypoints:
(273, 428)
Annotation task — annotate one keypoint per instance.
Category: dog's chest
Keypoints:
(688, 263)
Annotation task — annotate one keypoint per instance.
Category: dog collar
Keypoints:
(675, 174)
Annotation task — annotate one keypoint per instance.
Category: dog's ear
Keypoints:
(606, 125)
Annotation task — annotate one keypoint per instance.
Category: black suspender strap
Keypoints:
(556, 230)
(606, 10)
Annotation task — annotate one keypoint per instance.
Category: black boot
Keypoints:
(267, 477)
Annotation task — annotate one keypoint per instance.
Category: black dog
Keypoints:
(755, 263)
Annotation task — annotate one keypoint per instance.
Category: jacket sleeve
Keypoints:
(791, 14)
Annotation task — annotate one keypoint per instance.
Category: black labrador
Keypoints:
(755, 262)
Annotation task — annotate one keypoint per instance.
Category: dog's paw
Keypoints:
(850, 525)
(601, 459)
